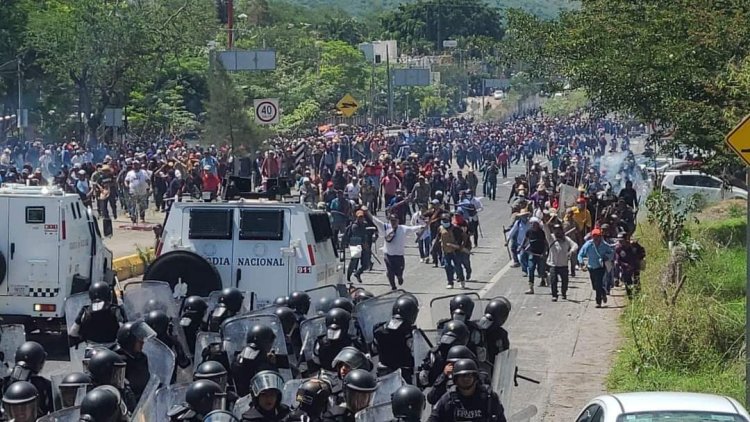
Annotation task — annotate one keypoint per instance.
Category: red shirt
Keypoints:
(210, 182)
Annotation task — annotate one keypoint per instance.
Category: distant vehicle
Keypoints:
(685, 183)
(663, 407)
(498, 95)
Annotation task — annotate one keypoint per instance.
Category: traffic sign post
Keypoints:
(266, 111)
(739, 140)
(347, 105)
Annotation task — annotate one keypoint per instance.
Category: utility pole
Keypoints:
(20, 113)
(230, 24)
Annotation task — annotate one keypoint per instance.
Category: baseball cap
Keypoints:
(596, 232)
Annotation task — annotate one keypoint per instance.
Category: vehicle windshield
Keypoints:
(680, 416)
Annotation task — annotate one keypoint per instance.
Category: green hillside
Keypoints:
(542, 8)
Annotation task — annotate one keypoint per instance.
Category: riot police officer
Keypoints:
(343, 303)
(281, 301)
(256, 356)
(216, 372)
(300, 302)
(361, 295)
(99, 321)
(407, 404)
(393, 339)
(462, 307)
(230, 304)
(130, 338)
(192, 319)
(30, 358)
(454, 333)
(468, 399)
(108, 368)
(104, 404)
(359, 387)
(201, 398)
(160, 323)
(328, 345)
(70, 385)
(20, 402)
(496, 337)
(443, 381)
(323, 305)
(267, 406)
(312, 399)
(348, 359)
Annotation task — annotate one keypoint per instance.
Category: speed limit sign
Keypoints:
(266, 111)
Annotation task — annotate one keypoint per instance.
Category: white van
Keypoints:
(50, 248)
(268, 248)
(686, 183)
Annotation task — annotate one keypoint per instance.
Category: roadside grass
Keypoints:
(696, 343)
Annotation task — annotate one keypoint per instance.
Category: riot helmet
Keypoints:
(231, 298)
(323, 305)
(212, 370)
(204, 396)
(281, 301)
(101, 296)
(260, 340)
(361, 295)
(287, 318)
(300, 302)
(312, 396)
(30, 358)
(107, 368)
(132, 334)
(103, 404)
(359, 388)
(461, 307)
(70, 385)
(343, 303)
(408, 403)
(465, 373)
(193, 310)
(455, 332)
(159, 322)
(350, 358)
(267, 387)
(405, 310)
(19, 402)
(495, 313)
(337, 323)
(154, 305)
(459, 352)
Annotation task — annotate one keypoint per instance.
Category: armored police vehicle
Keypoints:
(50, 248)
(254, 242)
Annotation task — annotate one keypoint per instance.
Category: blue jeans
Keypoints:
(523, 258)
(535, 263)
(465, 260)
(452, 264)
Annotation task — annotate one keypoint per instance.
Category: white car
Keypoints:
(498, 95)
(685, 183)
(663, 407)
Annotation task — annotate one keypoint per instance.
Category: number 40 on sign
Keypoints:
(266, 111)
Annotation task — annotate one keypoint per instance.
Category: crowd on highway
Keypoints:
(574, 199)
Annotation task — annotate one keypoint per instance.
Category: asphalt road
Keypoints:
(566, 345)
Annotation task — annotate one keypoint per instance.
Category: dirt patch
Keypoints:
(730, 208)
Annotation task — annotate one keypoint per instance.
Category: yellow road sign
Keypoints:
(739, 139)
(347, 105)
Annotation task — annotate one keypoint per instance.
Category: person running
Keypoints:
(598, 255)
(394, 248)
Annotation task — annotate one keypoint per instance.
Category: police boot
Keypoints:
(531, 289)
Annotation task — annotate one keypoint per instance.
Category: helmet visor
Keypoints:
(219, 379)
(69, 394)
(485, 322)
(20, 372)
(358, 400)
(266, 380)
(20, 411)
(448, 339)
(459, 315)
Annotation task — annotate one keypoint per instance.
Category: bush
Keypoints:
(728, 232)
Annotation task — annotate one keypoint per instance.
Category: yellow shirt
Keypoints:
(582, 218)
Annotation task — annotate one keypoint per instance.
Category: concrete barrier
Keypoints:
(128, 267)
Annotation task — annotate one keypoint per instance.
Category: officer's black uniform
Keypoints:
(455, 333)
(393, 340)
(443, 381)
(30, 358)
(407, 404)
(462, 307)
(19, 402)
(326, 349)
(254, 358)
(201, 398)
(160, 323)
(99, 326)
(216, 372)
(291, 329)
(103, 403)
(300, 303)
(482, 405)
(312, 398)
(230, 303)
(108, 368)
(256, 414)
(358, 384)
(496, 337)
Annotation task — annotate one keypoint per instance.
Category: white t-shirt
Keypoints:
(397, 246)
(138, 182)
(352, 191)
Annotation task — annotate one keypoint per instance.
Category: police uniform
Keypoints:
(243, 372)
(136, 371)
(255, 414)
(483, 405)
(98, 327)
(476, 340)
(43, 387)
(497, 341)
(326, 350)
(395, 348)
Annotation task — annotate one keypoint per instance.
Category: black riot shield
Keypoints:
(73, 306)
(371, 312)
(387, 385)
(163, 400)
(234, 333)
(161, 359)
(71, 414)
(145, 406)
(204, 340)
(328, 291)
(440, 307)
(376, 413)
(310, 330)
